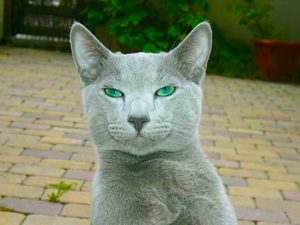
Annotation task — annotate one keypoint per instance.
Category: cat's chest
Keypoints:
(159, 179)
(155, 191)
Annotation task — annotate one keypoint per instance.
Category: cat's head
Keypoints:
(142, 102)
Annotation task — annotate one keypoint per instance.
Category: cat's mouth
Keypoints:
(139, 139)
(146, 135)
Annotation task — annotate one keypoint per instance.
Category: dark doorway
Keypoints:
(40, 23)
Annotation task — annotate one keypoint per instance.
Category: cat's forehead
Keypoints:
(140, 68)
(138, 61)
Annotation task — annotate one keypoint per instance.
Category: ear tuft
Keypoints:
(193, 52)
(88, 53)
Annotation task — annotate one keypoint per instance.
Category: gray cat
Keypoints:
(143, 112)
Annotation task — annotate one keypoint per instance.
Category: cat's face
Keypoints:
(142, 103)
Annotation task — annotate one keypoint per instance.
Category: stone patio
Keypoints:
(250, 131)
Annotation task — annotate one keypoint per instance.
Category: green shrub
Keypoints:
(156, 25)
(149, 26)
(231, 58)
(254, 14)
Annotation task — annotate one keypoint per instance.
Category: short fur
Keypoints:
(160, 177)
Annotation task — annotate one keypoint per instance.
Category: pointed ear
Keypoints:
(193, 52)
(88, 53)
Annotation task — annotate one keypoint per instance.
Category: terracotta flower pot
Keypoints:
(279, 61)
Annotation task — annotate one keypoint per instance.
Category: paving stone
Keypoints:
(261, 215)
(239, 201)
(71, 130)
(43, 116)
(87, 186)
(212, 155)
(228, 150)
(79, 197)
(79, 174)
(244, 222)
(242, 173)
(266, 223)
(10, 151)
(11, 218)
(86, 157)
(37, 170)
(32, 145)
(259, 153)
(242, 158)
(278, 204)
(44, 181)
(284, 177)
(234, 181)
(286, 144)
(60, 140)
(294, 217)
(81, 125)
(30, 126)
(292, 195)
(44, 133)
(294, 169)
(76, 210)
(70, 148)
(5, 166)
(263, 167)
(56, 123)
(48, 220)
(290, 156)
(73, 119)
(255, 192)
(6, 177)
(225, 163)
(270, 184)
(77, 136)
(22, 191)
(10, 113)
(31, 206)
(66, 164)
(47, 154)
(18, 159)
(281, 161)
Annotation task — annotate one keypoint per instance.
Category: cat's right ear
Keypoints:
(88, 53)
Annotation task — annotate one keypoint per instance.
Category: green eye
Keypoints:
(113, 92)
(165, 91)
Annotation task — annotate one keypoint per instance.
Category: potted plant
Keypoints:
(278, 60)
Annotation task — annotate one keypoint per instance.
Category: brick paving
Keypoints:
(250, 130)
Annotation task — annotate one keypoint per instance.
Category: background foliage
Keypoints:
(147, 25)
(159, 25)
(254, 14)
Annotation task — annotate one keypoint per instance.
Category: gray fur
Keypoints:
(161, 177)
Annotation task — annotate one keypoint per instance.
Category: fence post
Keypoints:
(7, 18)
(1, 18)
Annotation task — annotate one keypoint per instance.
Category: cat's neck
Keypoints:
(115, 158)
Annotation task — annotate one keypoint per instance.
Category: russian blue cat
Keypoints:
(143, 111)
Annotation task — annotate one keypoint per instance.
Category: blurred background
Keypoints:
(250, 126)
(241, 28)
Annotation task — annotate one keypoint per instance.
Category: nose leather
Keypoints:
(138, 122)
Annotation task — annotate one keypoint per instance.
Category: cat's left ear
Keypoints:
(88, 53)
(192, 54)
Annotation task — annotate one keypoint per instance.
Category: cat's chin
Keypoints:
(141, 146)
(140, 139)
